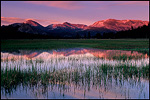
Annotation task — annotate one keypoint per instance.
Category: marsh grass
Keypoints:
(81, 77)
(79, 73)
(77, 76)
(124, 57)
(39, 60)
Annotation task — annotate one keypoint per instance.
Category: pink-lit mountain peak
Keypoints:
(31, 22)
(127, 21)
(68, 25)
(119, 25)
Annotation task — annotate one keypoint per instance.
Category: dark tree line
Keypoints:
(140, 32)
(12, 33)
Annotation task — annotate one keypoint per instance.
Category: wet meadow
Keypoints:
(65, 69)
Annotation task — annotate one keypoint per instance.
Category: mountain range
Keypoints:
(67, 29)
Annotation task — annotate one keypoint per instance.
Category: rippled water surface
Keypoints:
(74, 73)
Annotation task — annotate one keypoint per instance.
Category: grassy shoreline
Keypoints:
(47, 44)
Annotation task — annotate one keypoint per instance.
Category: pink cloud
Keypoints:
(105, 5)
(11, 20)
(69, 5)
(137, 3)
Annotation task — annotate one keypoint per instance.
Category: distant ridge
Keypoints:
(119, 25)
(69, 30)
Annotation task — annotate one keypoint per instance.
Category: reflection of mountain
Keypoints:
(116, 53)
(105, 54)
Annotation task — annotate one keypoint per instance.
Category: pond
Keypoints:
(75, 73)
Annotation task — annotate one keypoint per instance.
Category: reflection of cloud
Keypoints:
(69, 5)
(10, 20)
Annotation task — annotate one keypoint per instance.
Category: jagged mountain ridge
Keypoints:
(67, 25)
(119, 25)
(67, 29)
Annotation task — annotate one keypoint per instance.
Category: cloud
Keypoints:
(136, 3)
(68, 5)
(11, 20)
(103, 5)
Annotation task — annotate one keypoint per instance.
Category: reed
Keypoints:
(81, 76)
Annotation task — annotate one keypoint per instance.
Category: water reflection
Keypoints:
(75, 73)
(99, 53)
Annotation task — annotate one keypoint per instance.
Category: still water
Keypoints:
(75, 73)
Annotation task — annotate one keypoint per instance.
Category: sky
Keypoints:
(76, 12)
